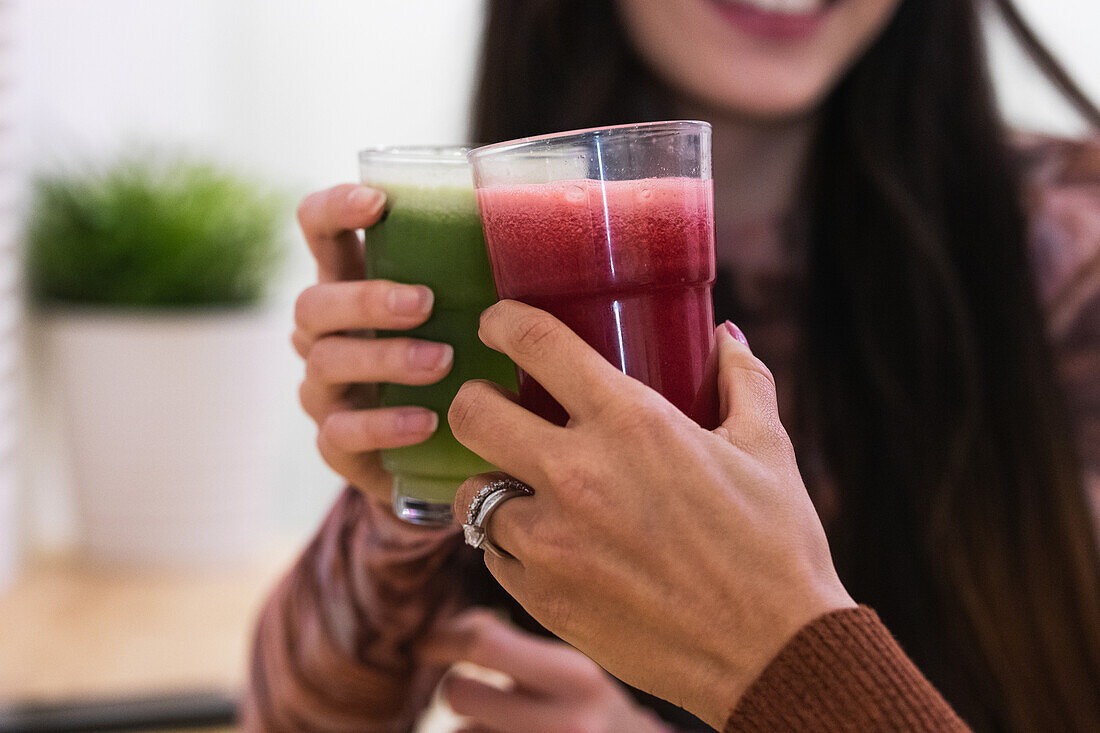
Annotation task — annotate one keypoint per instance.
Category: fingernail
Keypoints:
(362, 197)
(428, 356)
(410, 300)
(416, 421)
(736, 333)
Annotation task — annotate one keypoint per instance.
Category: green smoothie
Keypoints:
(431, 235)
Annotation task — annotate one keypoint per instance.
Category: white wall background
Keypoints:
(1070, 28)
(9, 317)
(290, 89)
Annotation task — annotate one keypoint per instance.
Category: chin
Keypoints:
(762, 59)
(772, 105)
(764, 97)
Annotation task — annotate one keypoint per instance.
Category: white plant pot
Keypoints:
(172, 422)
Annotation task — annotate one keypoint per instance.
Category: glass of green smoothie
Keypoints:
(431, 235)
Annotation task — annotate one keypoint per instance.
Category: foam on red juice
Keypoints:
(628, 265)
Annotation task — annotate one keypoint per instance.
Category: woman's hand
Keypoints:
(330, 319)
(555, 688)
(681, 560)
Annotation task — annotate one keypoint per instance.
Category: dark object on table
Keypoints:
(161, 712)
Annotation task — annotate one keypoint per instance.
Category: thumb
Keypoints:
(746, 389)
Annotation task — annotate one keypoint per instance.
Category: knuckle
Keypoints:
(480, 618)
(326, 433)
(764, 435)
(765, 373)
(300, 342)
(455, 692)
(308, 208)
(465, 407)
(579, 487)
(481, 636)
(642, 416)
(772, 436)
(367, 295)
(343, 436)
(556, 466)
(544, 548)
(304, 308)
(388, 357)
(318, 403)
(533, 330)
(482, 627)
(623, 400)
(646, 422)
(325, 447)
(321, 361)
(306, 398)
(759, 372)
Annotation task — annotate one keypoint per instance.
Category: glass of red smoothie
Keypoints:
(611, 230)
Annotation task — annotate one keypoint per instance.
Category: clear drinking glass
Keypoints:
(611, 230)
(431, 234)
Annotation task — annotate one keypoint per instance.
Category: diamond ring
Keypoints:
(484, 504)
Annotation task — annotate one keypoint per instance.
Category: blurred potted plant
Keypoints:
(149, 277)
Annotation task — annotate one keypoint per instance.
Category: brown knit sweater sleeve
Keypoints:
(333, 646)
(843, 672)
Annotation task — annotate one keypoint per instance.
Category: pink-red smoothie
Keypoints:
(628, 265)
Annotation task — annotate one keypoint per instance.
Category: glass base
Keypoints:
(409, 504)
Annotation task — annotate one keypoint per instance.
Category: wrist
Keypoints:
(735, 668)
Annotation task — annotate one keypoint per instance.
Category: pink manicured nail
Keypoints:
(428, 356)
(362, 197)
(416, 421)
(736, 333)
(409, 300)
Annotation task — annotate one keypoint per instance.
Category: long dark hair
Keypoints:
(928, 375)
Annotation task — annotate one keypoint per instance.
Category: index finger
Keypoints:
(329, 219)
(574, 373)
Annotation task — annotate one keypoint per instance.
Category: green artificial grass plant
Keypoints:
(152, 232)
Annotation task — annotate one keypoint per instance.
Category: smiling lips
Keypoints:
(780, 20)
(782, 7)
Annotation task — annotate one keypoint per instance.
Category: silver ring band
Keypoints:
(485, 502)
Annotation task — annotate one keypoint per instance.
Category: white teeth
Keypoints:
(785, 7)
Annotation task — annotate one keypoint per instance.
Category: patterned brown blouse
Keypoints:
(332, 647)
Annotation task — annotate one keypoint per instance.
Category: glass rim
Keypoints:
(425, 154)
(509, 145)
